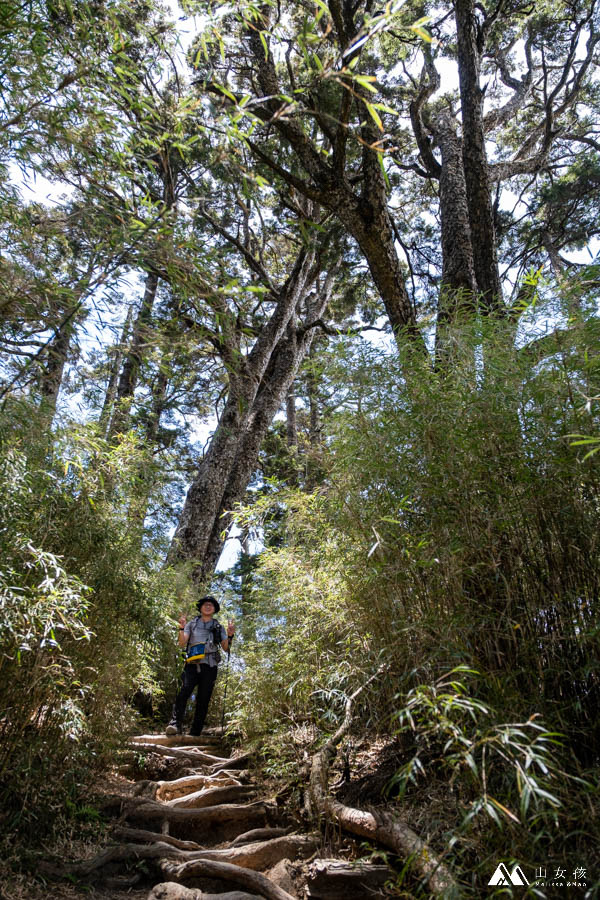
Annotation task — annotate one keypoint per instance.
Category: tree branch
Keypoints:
(430, 82)
(381, 827)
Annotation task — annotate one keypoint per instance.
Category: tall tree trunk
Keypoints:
(203, 500)
(284, 365)
(458, 271)
(369, 223)
(113, 378)
(314, 428)
(203, 503)
(133, 360)
(457, 290)
(146, 476)
(481, 217)
(312, 462)
(368, 220)
(51, 376)
(291, 433)
(560, 272)
(379, 241)
(556, 262)
(245, 569)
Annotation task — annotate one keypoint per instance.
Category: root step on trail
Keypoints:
(174, 826)
(208, 834)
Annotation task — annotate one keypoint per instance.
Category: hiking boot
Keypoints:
(173, 728)
(195, 732)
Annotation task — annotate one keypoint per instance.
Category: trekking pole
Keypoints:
(225, 693)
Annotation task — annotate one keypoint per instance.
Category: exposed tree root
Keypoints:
(169, 890)
(171, 790)
(260, 834)
(176, 740)
(204, 803)
(337, 879)
(235, 762)
(383, 828)
(243, 814)
(149, 837)
(254, 881)
(191, 754)
(259, 855)
(264, 854)
(239, 774)
(212, 797)
(119, 853)
(395, 834)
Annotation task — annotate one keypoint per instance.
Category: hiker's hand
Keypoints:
(230, 628)
(182, 621)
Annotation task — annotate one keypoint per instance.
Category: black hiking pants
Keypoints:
(203, 677)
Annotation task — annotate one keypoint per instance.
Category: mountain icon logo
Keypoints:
(503, 876)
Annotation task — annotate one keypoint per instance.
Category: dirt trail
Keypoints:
(210, 833)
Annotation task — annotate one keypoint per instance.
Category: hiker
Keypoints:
(201, 638)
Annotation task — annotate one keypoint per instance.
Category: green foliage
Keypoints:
(456, 526)
(449, 518)
(84, 622)
(299, 664)
(514, 759)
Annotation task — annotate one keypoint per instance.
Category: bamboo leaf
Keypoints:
(386, 109)
(263, 41)
(366, 81)
(382, 167)
(224, 91)
(422, 33)
(323, 10)
(504, 809)
(374, 115)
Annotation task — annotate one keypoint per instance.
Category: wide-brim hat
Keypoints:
(212, 600)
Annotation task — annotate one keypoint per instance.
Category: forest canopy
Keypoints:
(314, 283)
